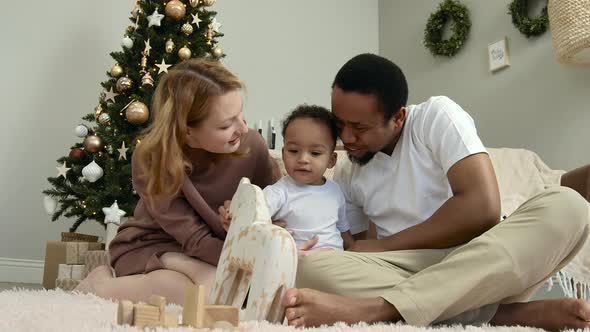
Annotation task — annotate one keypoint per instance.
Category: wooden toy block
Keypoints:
(159, 302)
(221, 314)
(197, 314)
(170, 320)
(257, 257)
(146, 315)
(194, 306)
(125, 313)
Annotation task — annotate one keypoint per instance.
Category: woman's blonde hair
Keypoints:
(182, 99)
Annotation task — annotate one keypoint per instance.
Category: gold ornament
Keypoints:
(143, 62)
(194, 3)
(92, 143)
(209, 35)
(130, 29)
(187, 29)
(137, 113)
(104, 119)
(147, 80)
(97, 111)
(175, 10)
(169, 46)
(116, 71)
(217, 52)
(124, 84)
(208, 2)
(136, 10)
(184, 53)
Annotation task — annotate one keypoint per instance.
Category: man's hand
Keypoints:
(367, 246)
(225, 215)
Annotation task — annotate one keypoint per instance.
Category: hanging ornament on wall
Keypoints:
(194, 3)
(104, 119)
(127, 42)
(175, 10)
(93, 143)
(81, 130)
(184, 53)
(137, 113)
(124, 84)
(147, 80)
(187, 29)
(77, 153)
(169, 46)
(49, 204)
(116, 70)
(208, 2)
(92, 172)
(217, 52)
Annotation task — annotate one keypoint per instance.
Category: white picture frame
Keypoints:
(498, 55)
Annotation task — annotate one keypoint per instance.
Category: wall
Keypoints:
(536, 103)
(55, 56)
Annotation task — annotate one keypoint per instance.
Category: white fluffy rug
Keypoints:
(56, 310)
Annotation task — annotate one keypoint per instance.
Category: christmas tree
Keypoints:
(97, 172)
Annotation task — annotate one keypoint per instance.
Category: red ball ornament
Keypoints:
(77, 153)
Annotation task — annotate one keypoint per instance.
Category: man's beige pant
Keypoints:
(464, 284)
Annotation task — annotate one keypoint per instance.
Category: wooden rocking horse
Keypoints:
(258, 259)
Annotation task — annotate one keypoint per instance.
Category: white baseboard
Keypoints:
(21, 270)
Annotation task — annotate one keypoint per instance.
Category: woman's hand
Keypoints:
(225, 215)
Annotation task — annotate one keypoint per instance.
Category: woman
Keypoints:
(189, 162)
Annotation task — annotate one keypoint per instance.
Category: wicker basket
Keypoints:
(77, 237)
(570, 29)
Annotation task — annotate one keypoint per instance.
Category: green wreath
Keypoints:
(458, 13)
(528, 26)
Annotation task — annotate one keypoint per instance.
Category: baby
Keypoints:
(309, 203)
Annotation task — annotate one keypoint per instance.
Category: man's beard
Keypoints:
(362, 160)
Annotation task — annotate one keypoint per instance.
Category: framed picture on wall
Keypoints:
(498, 54)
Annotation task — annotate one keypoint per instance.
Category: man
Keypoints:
(422, 175)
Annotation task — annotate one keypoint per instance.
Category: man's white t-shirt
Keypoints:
(402, 190)
(309, 211)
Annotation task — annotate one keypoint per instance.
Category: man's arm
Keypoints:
(473, 209)
(579, 180)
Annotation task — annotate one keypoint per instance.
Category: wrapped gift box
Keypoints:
(94, 259)
(66, 284)
(70, 271)
(57, 252)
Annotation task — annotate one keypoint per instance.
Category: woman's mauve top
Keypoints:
(188, 222)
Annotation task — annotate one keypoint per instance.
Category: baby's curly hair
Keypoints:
(316, 113)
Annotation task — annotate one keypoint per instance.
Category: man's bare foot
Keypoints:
(552, 315)
(308, 307)
(95, 277)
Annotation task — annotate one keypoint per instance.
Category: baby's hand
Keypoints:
(225, 215)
